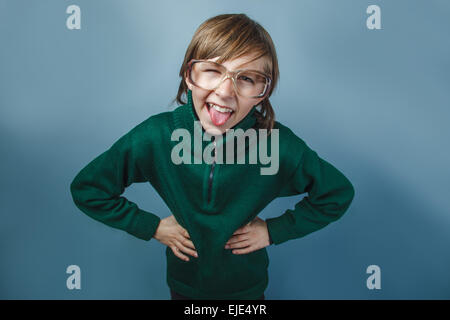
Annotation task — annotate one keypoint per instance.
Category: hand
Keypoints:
(251, 237)
(170, 233)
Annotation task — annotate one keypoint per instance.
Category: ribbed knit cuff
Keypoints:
(278, 229)
(270, 239)
(145, 225)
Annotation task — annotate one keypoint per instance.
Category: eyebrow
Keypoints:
(241, 65)
(264, 67)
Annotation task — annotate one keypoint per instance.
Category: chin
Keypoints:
(213, 130)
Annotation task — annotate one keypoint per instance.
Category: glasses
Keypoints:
(209, 75)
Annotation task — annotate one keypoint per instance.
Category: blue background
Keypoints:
(374, 103)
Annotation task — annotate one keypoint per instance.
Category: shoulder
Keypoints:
(289, 139)
(159, 121)
(291, 147)
(143, 137)
(155, 127)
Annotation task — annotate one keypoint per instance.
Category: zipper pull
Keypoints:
(215, 146)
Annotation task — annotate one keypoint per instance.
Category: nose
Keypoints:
(226, 87)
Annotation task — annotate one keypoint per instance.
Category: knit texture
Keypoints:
(211, 210)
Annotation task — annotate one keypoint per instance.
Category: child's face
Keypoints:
(225, 96)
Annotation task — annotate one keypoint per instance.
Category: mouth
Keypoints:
(219, 114)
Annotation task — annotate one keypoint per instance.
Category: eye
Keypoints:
(247, 79)
(212, 70)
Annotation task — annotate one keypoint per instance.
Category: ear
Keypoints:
(259, 101)
(188, 83)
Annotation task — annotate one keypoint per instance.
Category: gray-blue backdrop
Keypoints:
(374, 103)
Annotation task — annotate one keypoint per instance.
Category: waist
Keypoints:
(219, 272)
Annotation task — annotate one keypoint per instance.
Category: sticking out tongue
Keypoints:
(217, 117)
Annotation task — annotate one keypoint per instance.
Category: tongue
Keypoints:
(217, 117)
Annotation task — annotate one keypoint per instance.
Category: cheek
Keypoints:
(245, 108)
(199, 96)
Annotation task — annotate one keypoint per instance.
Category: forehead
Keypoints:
(245, 62)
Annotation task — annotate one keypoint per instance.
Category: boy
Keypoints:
(228, 74)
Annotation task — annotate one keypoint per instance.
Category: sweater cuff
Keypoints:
(277, 228)
(145, 225)
(270, 239)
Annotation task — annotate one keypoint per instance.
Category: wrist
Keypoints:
(268, 233)
(156, 234)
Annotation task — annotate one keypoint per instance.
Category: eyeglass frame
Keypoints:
(233, 78)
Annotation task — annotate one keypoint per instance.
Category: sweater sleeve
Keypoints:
(329, 196)
(97, 188)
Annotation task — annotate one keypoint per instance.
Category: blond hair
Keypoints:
(231, 36)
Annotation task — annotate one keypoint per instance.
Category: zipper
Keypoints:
(211, 173)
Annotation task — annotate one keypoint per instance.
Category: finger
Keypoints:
(177, 253)
(189, 244)
(185, 241)
(237, 238)
(185, 249)
(238, 245)
(185, 233)
(190, 247)
(242, 230)
(244, 250)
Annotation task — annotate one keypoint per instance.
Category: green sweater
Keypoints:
(211, 201)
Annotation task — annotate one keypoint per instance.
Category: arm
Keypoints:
(97, 189)
(329, 196)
